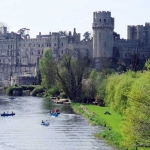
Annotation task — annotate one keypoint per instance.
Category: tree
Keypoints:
(89, 88)
(48, 69)
(147, 64)
(70, 74)
(136, 126)
(86, 36)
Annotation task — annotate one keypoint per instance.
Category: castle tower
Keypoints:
(103, 25)
(147, 33)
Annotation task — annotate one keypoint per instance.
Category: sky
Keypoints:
(54, 15)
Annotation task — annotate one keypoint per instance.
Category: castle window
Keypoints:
(47, 44)
(105, 20)
(42, 45)
(39, 45)
(99, 20)
(61, 44)
(55, 44)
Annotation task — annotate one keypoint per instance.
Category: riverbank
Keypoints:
(111, 122)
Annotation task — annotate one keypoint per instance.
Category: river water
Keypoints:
(24, 131)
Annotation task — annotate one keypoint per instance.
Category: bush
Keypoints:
(53, 92)
(63, 95)
(10, 90)
(28, 87)
(39, 90)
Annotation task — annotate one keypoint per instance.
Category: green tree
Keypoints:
(70, 74)
(147, 64)
(48, 69)
(136, 126)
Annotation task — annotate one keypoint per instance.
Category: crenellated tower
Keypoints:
(103, 26)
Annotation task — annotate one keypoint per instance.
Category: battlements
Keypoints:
(102, 12)
(103, 19)
(147, 23)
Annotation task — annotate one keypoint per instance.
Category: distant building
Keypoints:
(19, 53)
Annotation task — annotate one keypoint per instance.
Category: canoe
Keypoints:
(8, 114)
(54, 114)
(46, 123)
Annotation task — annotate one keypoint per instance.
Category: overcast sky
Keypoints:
(54, 15)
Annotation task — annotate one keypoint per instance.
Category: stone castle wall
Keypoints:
(19, 55)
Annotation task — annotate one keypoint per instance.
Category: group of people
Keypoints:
(54, 111)
(7, 112)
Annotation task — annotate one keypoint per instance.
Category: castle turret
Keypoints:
(147, 33)
(103, 26)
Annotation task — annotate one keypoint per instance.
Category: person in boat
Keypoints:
(42, 121)
(57, 110)
(12, 112)
(3, 112)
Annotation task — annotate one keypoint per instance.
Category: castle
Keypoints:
(19, 53)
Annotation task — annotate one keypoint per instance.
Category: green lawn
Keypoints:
(113, 120)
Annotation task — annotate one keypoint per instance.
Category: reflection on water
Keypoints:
(24, 131)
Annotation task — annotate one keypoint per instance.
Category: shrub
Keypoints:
(38, 90)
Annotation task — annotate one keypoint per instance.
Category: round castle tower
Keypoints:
(103, 26)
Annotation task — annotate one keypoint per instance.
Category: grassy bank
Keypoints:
(111, 123)
(96, 116)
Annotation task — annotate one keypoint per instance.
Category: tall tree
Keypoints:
(70, 74)
(47, 69)
(136, 126)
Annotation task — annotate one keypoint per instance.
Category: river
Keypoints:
(24, 131)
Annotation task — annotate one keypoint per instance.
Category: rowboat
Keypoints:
(5, 114)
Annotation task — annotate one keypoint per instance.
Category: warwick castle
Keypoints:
(19, 54)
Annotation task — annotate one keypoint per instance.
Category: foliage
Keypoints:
(136, 127)
(117, 89)
(47, 69)
(86, 36)
(70, 74)
(38, 90)
(53, 91)
(63, 95)
(147, 64)
(10, 89)
(28, 87)
(89, 87)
